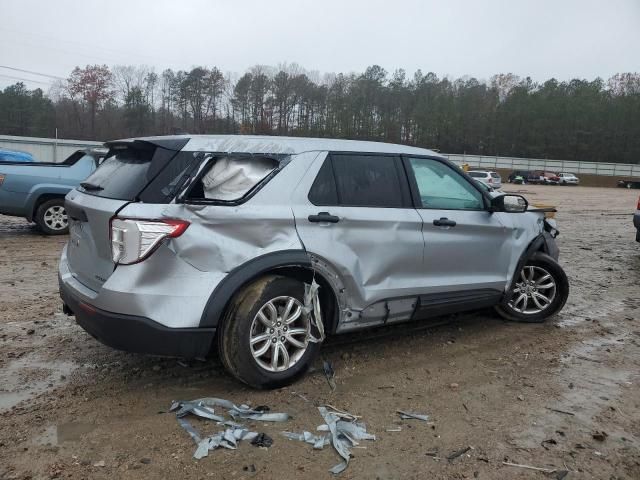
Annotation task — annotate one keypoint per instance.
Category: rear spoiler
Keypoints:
(175, 144)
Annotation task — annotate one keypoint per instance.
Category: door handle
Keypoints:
(323, 217)
(444, 222)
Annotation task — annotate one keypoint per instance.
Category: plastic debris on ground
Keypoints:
(329, 374)
(412, 415)
(234, 433)
(344, 433)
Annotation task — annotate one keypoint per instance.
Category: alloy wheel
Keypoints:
(55, 217)
(279, 334)
(534, 292)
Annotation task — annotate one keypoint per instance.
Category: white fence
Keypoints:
(52, 150)
(569, 166)
(45, 149)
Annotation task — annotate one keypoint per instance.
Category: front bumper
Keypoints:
(137, 334)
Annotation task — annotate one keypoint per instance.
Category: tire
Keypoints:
(242, 323)
(51, 217)
(527, 310)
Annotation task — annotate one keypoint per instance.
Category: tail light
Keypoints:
(490, 180)
(638, 205)
(133, 240)
(1, 178)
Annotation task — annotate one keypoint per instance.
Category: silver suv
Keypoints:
(263, 246)
(489, 178)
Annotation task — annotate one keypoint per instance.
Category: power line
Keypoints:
(32, 72)
(94, 48)
(24, 79)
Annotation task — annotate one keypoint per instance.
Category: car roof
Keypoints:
(283, 145)
(481, 171)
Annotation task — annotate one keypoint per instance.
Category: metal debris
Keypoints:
(229, 438)
(203, 407)
(344, 433)
(190, 430)
(195, 407)
(235, 432)
(409, 415)
(318, 441)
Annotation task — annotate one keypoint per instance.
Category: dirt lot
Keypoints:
(527, 394)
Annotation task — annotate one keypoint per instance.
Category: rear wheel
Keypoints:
(539, 292)
(51, 217)
(263, 340)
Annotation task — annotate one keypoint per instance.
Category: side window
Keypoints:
(230, 178)
(441, 187)
(323, 191)
(367, 180)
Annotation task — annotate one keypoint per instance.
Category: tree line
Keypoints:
(591, 120)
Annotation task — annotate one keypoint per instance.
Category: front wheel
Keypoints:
(264, 338)
(540, 291)
(51, 217)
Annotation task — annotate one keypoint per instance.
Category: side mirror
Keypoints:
(509, 203)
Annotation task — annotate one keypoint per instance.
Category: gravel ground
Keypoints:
(537, 395)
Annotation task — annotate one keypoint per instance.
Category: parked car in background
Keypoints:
(15, 156)
(518, 177)
(628, 183)
(568, 179)
(492, 179)
(543, 178)
(636, 220)
(36, 190)
(261, 246)
(484, 186)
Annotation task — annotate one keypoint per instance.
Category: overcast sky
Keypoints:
(542, 38)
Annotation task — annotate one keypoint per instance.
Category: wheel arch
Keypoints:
(542, 243)
(39, 200)
(288, 263)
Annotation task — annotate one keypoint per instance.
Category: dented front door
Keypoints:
(352, 211)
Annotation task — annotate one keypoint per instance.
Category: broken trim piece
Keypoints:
(312, 310)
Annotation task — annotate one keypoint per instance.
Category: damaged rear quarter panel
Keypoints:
(223, 237)
(219, 239)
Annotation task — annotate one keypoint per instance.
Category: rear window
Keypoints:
(495, 175)
(147, 173)
(478, 174)
(122, 175)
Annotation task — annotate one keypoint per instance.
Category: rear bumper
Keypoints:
(137, 334)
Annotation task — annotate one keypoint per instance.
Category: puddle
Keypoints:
(590, 385)
(25, 378)
(64, 432)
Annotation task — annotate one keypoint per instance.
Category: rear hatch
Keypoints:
(133, 171)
